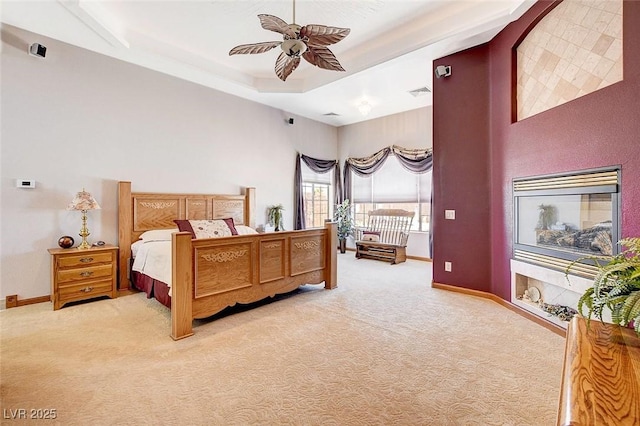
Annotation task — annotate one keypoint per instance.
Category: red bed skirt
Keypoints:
(152, 288)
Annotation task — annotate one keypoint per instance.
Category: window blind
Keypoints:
(392, 183)
(309, 175)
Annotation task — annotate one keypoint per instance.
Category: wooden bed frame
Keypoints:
(212, 274)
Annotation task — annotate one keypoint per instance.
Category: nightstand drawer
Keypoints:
(84, 259)
(86, 289)
(84, 274)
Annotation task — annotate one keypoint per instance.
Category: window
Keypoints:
(317, 192)
(316, 203)
(393, 187)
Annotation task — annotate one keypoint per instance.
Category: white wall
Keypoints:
(77, 120)
(410, 129)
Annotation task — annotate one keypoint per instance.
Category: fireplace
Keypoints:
(564, 217)
(560, 219)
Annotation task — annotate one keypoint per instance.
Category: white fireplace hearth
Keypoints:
(532, 285)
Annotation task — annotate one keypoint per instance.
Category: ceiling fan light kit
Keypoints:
(293, 48)
(309, 42)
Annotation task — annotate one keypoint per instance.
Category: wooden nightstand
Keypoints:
(83, 274)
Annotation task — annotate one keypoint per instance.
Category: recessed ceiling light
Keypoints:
(420, 92)
(365, 108)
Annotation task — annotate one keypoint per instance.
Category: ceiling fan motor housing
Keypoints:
(295, 28)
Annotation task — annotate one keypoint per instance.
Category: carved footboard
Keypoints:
(211, 274)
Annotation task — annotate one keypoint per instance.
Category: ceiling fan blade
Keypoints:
(321, 35)
(254, 48)
(273, 23)
(285, 65)
(322, 57)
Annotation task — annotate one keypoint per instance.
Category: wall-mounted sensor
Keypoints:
(290, 120)
(36, 49)
(25, 183)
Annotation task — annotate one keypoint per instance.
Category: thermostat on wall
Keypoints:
(25, 183)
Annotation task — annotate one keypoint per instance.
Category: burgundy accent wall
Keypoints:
(461, 170)
(596, 130)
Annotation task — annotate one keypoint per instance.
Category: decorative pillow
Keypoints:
(207, 228)
(373, 236)
(245, 230)
(158, 235)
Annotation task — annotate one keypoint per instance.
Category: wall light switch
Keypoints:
(447, 266)
(450, 214)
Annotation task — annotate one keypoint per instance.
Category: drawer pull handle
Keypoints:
(86, 273)
(86, 260)
(87, 289)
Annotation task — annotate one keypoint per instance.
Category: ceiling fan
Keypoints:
(309, 41)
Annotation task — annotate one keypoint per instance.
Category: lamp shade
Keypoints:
(83, 201)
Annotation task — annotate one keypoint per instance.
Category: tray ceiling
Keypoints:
(387, 55)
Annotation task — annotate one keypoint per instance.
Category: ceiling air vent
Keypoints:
(420, 92)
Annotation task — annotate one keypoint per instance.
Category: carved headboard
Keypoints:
(139, 212)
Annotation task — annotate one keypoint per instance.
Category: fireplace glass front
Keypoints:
(580, 224)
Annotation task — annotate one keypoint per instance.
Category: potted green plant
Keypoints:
(616, 286)
(274, 216)
(342, 215)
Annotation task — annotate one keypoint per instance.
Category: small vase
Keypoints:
(343, 245)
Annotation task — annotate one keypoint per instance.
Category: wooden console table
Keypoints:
(601, 375)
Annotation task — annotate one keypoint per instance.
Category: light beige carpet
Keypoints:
(382, 349)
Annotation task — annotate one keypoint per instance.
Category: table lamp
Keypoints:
(83, 201)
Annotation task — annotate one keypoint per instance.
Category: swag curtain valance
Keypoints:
(317, 166)
(414, 160)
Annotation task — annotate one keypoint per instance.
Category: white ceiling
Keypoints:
(388, 53)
